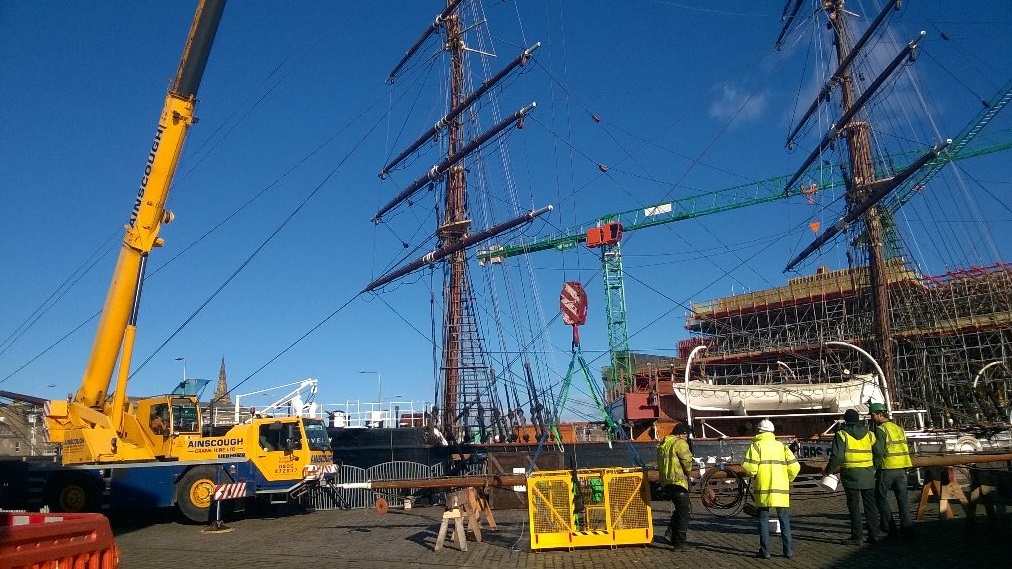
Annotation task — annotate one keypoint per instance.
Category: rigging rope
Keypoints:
(552, 425)
(723, 493)
(62, 289)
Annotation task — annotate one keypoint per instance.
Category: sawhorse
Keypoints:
(462, 504)
(458, 525)
(945, 492)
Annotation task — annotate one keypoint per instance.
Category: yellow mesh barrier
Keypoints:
(589, 508)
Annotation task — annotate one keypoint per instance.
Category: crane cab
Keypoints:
(605, 234)
(162, 417)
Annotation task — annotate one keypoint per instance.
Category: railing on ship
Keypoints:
(351, 414)
(355, 414)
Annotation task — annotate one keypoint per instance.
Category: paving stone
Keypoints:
(353, 539)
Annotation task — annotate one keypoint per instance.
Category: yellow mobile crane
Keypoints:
(151, 451)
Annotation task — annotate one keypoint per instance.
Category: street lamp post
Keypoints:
(184, 369)
(379, 386)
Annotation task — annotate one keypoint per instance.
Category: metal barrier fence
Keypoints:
(331, 498)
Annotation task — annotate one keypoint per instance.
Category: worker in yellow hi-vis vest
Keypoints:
(772, 467)
(892, 459)
(851, 453)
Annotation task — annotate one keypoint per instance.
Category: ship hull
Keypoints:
(365, 448)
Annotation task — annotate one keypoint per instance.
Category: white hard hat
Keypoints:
(765, 426)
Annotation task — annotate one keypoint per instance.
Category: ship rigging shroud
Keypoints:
(470, 408)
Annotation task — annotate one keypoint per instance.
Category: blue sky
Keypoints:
(294, 106)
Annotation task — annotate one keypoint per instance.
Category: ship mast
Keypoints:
(470, 404)
(861, 183)
(453, 230)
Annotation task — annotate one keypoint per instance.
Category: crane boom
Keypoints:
(123, 298)
(735, 197)
(991, 108)
(155, 451)
(698, 205)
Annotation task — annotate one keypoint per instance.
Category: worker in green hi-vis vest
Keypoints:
(892, 459)
(674, 463)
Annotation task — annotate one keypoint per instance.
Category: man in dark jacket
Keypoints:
(852, 455)
(674, 463)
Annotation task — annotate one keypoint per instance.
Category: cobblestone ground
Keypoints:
(404, 538)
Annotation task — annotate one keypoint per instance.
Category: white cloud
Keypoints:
(733, 104)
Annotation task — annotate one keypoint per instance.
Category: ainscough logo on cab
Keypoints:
(211, 443)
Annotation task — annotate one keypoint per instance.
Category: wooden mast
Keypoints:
(859, 187)
(453, 230)
(466, 384)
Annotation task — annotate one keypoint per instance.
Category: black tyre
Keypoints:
(195, 493)
(72, 493)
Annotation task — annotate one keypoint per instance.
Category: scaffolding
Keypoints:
(954, 346)
(952, 337)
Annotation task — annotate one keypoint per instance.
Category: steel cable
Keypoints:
(723, 492)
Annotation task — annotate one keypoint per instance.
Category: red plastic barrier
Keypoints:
(51, 541)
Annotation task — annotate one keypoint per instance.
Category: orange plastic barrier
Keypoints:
(51, 541)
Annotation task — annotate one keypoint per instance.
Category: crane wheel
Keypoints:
(195, 493)
(72, 494)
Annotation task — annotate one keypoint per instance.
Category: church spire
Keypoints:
(221, 396)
